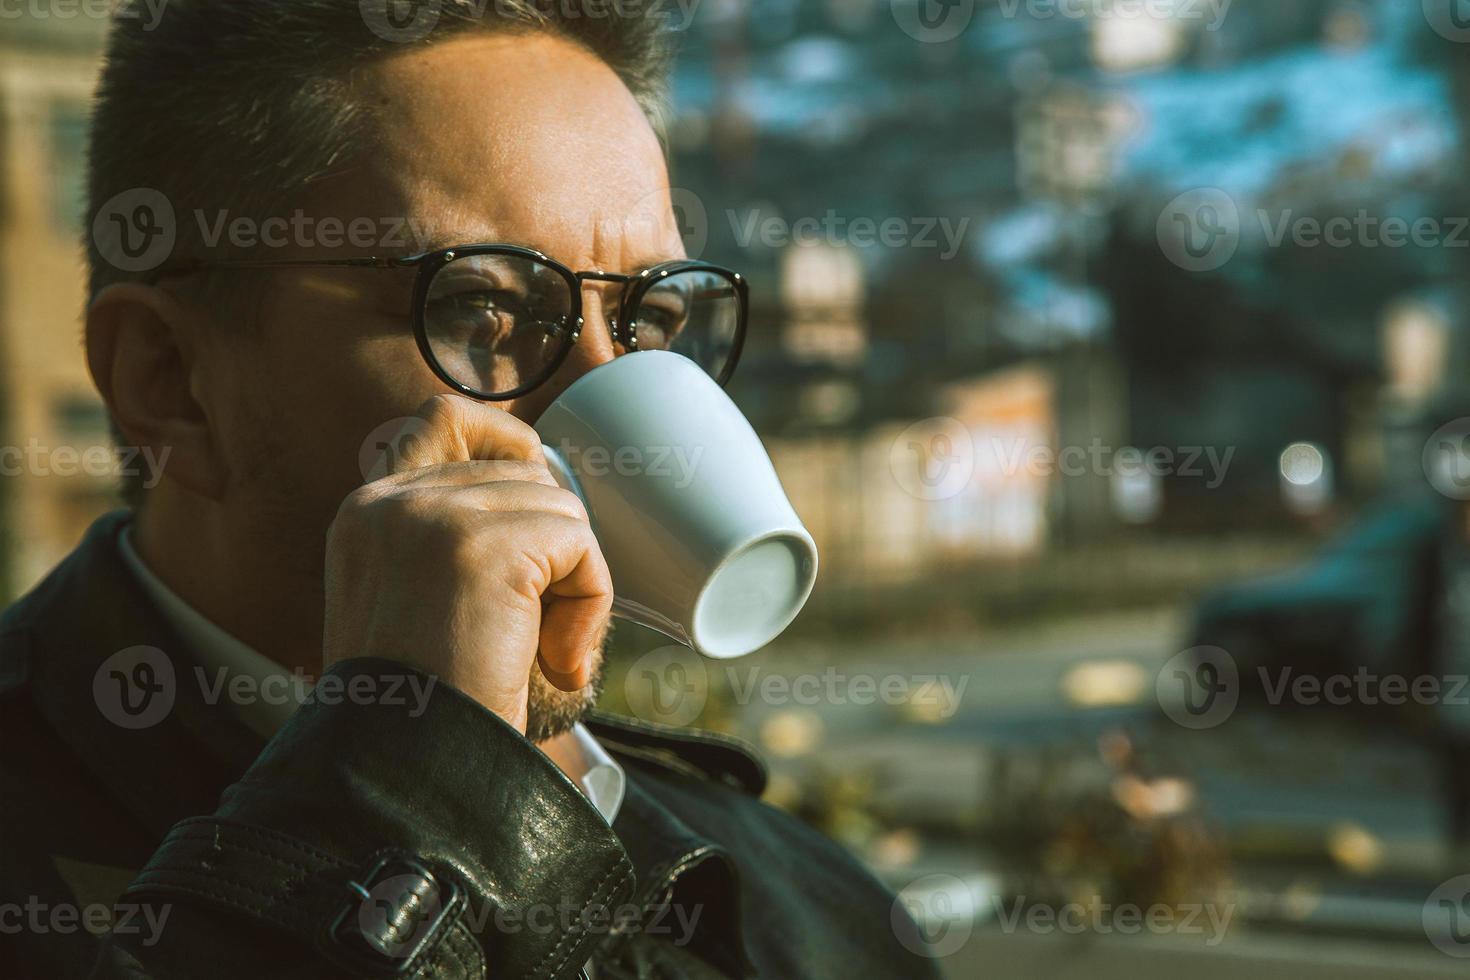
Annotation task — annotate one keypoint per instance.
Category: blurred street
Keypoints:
(1336, 830)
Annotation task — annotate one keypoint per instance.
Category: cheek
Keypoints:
(320, 400)
(375, 384)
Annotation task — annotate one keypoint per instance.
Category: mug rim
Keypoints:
(570, 389)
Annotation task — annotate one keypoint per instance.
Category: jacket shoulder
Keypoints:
(15, 660)
(16, 635)
(689, 751)
(50, 601)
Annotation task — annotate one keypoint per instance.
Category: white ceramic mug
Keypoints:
(702, 543)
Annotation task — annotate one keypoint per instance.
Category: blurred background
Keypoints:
(1116, 353)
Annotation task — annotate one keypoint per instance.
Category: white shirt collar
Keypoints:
(584, 760)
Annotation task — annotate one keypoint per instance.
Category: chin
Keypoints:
(551, 711)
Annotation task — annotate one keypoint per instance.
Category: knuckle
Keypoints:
(526, 442)
(573, 533)
(380, 509)
(355, 504)
(351, 525)
(529, 471)
(485, 431)
(442, 407)
(514, 439)
(415, 505)
(572, 505)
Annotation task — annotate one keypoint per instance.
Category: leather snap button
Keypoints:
(394, 911)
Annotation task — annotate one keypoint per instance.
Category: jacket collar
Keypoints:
(680, 871)
(674, 864)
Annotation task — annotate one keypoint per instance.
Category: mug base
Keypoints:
(753, 596)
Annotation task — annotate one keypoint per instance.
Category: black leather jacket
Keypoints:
(365, 840)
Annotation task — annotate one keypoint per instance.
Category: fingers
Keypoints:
(460, 429)
(467, 473)
(575, 611)
(514, 500)
(480, 473)
(571, 635)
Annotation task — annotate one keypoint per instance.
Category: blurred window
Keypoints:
(68, 146)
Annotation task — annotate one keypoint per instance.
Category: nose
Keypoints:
(595, 345)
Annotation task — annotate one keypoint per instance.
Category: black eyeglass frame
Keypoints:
(622, 326)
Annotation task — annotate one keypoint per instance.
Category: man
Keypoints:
(436, 808)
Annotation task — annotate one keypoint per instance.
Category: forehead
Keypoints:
(519, 137)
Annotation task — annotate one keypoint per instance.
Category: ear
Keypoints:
(142, 354)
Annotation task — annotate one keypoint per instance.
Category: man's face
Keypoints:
(523, 139)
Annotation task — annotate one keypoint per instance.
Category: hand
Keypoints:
(468, 562)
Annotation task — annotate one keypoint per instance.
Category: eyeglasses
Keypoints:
(496, 321)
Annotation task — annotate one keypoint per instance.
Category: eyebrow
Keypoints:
(438, 242)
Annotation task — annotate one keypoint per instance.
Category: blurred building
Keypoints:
(49, 414)
(1062, 138)
(1057, 140)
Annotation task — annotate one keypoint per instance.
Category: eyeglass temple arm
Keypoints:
(198, 265)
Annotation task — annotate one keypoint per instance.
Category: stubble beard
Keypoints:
(551, 711)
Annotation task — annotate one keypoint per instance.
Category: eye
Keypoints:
(501, 304)
(661, 316)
